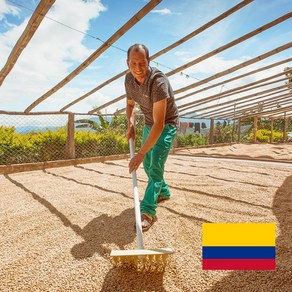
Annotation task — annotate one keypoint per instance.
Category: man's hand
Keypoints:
(131, 133)
(135, 162)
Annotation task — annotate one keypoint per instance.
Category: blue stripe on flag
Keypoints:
(239, 252)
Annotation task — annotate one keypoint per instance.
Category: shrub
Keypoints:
(88, 144)
(265, 136)
(191, 140)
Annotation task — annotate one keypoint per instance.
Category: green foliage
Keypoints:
(245, 134)
(119, 124)
(191, 140)
(264, 136)
(88, 144)
(50, 145)
(100, 127)
(223, 134)
(31, 147)
(278, 124)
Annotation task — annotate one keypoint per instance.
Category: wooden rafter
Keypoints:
(288, 114)
(236, 109)
(231, 44)
(267, 104)
(241, 106)
(33, 24)
(235, 68)
(130, 23)
(161, 52)
(265, 113)
(228, 71)
(229, 106)
(233, 91)
(249, 96)
(225, 72)
(230, 109)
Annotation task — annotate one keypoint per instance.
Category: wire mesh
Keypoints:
(39, 138)
(44, 137)
(32, 138)
(104, 135)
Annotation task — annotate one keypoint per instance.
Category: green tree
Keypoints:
(100, 127)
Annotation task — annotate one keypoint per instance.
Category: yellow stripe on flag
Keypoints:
(239, 234)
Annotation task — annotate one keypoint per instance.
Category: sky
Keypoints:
(70, 33)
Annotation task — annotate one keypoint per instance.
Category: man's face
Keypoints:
(138, 64)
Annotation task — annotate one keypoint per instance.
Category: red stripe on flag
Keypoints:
(239, 264)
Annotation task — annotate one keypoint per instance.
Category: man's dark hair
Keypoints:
(138, 47)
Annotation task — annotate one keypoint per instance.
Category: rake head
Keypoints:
(141, 258)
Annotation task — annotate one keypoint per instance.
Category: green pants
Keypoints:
(153, 163)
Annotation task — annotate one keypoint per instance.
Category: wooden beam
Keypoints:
(233, 78)
(238, 131)
(230, 105)
(242, 102)
(232, 43)
(94, 90)
(130, 23)
(235, 90)
(254, 108)
(272, 131)
(227, 46)
(255, 129)
(279, 116)
(204, 27)
(107, 104)
(211, 136)
(31, 114)
(270, 105)
(285, 128)
(269, 113)
(70, 142)
(252, 95)
(31, 27)
(225, 72)
(165, 50)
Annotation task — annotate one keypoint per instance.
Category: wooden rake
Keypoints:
(140, 257)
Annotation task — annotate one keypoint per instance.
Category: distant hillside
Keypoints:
(27, 129)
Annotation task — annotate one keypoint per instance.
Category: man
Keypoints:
(151, 89)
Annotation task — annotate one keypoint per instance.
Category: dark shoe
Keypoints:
(147, 221)
(161, 199)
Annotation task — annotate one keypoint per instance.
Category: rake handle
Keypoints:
(136, 201)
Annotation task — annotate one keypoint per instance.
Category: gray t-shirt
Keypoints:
(155, 87)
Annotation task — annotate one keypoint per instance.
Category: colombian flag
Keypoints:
(239, 246)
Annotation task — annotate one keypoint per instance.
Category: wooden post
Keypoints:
(211, 137)
(70, 143)
(174, 145)
(272, 130)
(285, 128)
(238, 131)
(233, 130)
(255, 129)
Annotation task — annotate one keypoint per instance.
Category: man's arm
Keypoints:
(159, 110)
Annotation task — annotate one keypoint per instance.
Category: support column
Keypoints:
(211, 137)
(174, 145)
(70, 143)
(285, 128)
(238, 131)
(255, 129)
(233, 130)
(272, 130)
